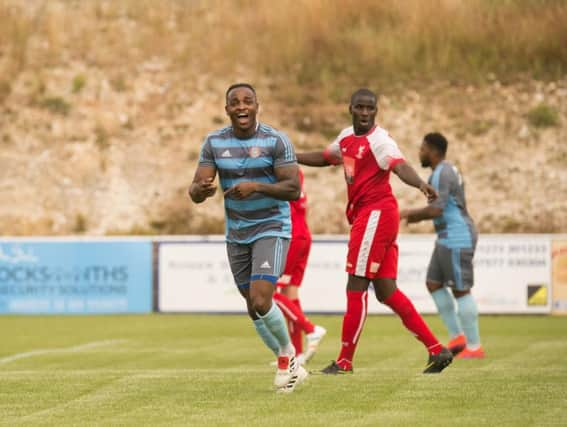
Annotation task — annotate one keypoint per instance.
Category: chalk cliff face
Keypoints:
(103, 113)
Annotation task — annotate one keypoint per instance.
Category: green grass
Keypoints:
(56, 105)
(543, 116)
(213, 370)
(334, 45)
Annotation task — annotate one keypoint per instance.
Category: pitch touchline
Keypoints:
(44, 351)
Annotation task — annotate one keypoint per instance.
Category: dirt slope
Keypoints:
(117, 154)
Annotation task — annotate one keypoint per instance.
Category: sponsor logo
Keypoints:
(17, 255)
(266, 264)
(537, 295)
(360, 152)
(226, 153)
(45, 274)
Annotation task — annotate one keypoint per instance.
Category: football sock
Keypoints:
(446, 307)
(413, 321)
(296, 335)
(353, 322)
(275, 323)
(299, 337)
(270, 341)
(292, 327)
(293, 312)
(468, 313)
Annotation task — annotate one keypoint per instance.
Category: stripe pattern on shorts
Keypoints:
(278, 257)
(366, 245)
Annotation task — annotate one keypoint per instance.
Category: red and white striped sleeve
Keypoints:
(333, 151)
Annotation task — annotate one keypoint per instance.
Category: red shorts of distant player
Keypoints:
(296, 261)
(372, 248)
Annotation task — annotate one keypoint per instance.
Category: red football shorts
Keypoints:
(296, 261)
(372, 247)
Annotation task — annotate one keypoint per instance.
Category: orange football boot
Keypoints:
(471, 354)
(457, 344)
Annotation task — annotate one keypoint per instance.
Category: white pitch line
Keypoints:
(45, 351)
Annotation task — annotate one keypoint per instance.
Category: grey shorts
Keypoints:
(263, 259)
(452, 267)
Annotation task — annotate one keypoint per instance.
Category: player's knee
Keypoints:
(433, 286)
(356, 283)
(379, 295)
(383, 288)
(460, 294)
(261, 304)
(252, 313)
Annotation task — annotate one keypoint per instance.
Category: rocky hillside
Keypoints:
(118, 157)
(91, 145)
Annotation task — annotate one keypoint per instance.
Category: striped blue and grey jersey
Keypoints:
(252, 159)
(455, 228)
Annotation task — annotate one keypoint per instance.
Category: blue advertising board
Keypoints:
(75, 277)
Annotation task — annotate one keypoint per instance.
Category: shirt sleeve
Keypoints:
(443, 183)
(206, 158)
(284, 153)
(386, 151)
(332, 152)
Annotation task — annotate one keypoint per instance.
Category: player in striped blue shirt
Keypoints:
(451, 264)
(258, 174)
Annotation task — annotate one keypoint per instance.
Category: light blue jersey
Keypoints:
(252, 159)
(454, 228)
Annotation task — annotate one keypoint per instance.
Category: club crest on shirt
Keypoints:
(255, 152)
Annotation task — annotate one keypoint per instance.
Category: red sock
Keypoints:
(296, 335)
(291, 311)
(353, 322)
(412, 320)
(298, 338)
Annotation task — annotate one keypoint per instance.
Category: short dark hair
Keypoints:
(437, 141)
(237, 85)
(363, 92)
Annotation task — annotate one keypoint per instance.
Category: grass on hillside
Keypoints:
(213, 370)
(307, 42)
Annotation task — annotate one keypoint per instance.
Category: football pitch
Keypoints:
(201, 370)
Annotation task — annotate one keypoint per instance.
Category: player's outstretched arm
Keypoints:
(408, 175)
(287, 186)
(315, 158)
(417, 215)
(202, 186)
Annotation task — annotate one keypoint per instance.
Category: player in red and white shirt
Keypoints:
(287, 297)
(368, 155)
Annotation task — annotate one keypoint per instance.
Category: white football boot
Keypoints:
(287, 368)
(299, 377)
(313, 341)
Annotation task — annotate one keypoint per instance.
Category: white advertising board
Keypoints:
(512, 275)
